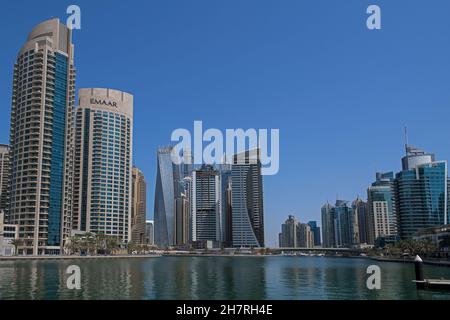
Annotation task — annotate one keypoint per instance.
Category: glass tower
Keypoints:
(41, 139)
(421, 193)
(328, 230)
(247, 200)
(103, 162)
(164, 212)
(382, 217)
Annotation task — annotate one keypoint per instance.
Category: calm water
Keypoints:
(213, 278)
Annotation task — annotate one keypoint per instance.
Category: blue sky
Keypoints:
(339, 93)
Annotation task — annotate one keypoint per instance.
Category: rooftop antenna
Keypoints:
(406, 140)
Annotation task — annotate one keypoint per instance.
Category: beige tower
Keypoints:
(138, 207)
(103, 162)
(41, 139)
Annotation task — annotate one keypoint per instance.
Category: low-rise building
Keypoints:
(8, 233)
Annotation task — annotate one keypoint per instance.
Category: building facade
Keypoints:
(346, 224)
(138, 207)
(315, 229)
(380, 203)
(149, 232)
(206, 205)
(41, 144)
(305, 237)
(164, 210)
(421, 192)
(361, 213)
(247, 200)
(328, 228)
(288, 235)
(5, 171)
(103, 162)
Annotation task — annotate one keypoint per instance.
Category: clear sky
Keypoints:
(339, 93)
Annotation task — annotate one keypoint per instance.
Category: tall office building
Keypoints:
(138, 206)
(421, 192)
(149, 232)
(41, 139)
(288, 235)
(206, 205)
(247, 200)
(226, 196)
(315, 229)
(305, 237)
(182, 217)
(103, 162)
(5, 171)
(164, 211)
(346, 224)
(380, 203)
(328, 228)
(362, 216)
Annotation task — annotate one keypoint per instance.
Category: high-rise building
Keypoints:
(247, 200)
(315, 229)
(138, 206)
(346, 224)
(305, 237)
(206, 205)
(328, 228)
(182, 218)
(41, 139)
(103, 162)
(288, 235)
(381, 211)
(421, 192)
(5, 171)
(361, 213)
(149, 232)
(165, 199)
(226, 196)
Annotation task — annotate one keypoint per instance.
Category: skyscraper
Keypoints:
(288, 236)
(41, 139)
(182, 217)
(421, 192)
(206, 205)
(247, 200)
(316, 232)
(138, 206)
(305, 237)
(5, 171)
(380, 203)
(361, 213)
(328, 228)
(164, 199)
(103, 162)
(346, 224)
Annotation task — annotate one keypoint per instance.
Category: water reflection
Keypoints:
(212, 278)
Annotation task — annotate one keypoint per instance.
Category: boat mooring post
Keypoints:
(418, 265)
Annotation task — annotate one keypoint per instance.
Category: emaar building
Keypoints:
(41, 143)
(103, 162)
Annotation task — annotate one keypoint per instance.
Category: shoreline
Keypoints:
(440, 263)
